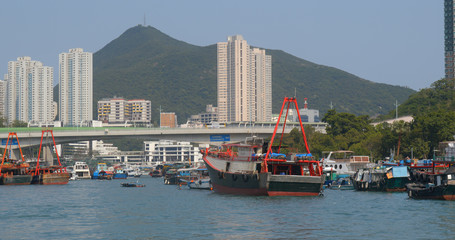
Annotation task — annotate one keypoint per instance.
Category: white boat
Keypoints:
(203, 183)
(195, 178)
(344, 162)
(74, 177)
(133, 172)
(81, 170)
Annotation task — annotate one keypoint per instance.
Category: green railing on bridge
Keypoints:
(59, 129)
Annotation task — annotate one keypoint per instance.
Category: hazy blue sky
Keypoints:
(398, 42)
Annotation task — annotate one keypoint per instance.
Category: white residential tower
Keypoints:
(76, 87)
(244, 82)
(29, 91)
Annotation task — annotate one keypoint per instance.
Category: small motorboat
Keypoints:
(134, 184)
(342, 184)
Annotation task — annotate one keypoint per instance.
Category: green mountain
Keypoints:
(146, 63)
(439, 96)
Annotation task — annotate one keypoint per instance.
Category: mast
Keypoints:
(41, 147)
(287, 101)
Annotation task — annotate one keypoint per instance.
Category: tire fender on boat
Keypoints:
(245, 178)
(234, 177)
(256, 177)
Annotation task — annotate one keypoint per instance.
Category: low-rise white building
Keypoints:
(166, 151)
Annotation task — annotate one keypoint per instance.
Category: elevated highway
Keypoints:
(32, 136)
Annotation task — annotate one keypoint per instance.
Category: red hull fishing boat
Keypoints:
(258, 168)
(14, 172)
(51, 175)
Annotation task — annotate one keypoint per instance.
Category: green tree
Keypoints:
(400, 128)
(3, 121)
(342, 123)
(434, 127)
(19, 123)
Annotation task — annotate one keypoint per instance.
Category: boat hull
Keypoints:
(200, 184)
(16, 179)
(262, 184)
(420, 191)
(55, 178)
(51, 178)
(120, 176)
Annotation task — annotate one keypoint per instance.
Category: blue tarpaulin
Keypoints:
(400, 171)
(277, 155)
(304, 155)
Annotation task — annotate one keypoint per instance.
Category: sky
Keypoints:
(397, 42)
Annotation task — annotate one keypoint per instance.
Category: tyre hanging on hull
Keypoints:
(245, 178)
(234, 177)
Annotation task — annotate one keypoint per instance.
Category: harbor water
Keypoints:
(102, 209)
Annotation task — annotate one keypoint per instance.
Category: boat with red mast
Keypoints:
(49, 175)
(258, 168)
(13, 171)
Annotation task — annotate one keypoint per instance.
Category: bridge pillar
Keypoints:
(15, 154)
(47, 156)
(90, 148)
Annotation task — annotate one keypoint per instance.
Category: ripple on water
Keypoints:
(94, 209)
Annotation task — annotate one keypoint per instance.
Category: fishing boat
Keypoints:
(119, 173)
(388, 179)
(102, 172)
(132, 184)
(435, 184)
(342, 184)
(197, 179)
(81, 170)
(156, 173)
(203, 183)
(12, 171)
(345, 163)
(442, 189)
(257, 167)
(171, 177)
(49, 175)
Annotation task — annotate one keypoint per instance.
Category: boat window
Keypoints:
(341, 166)
(331, 165)
(336, 166)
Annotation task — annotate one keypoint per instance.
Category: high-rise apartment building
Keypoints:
(29, 91)
(76, 87)
(2, 97)
(261, 72)
(449, 38)
(244, 82)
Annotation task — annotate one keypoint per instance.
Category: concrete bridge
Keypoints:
(29, 137)
(32, 136)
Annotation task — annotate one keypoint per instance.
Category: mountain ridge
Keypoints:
(180, 77)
